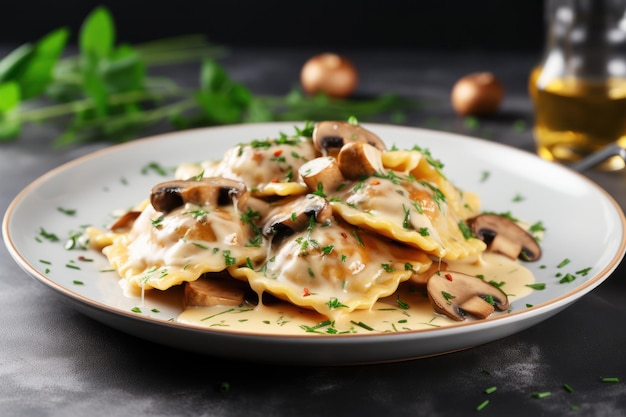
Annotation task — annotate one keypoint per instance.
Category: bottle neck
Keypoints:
(586, 38)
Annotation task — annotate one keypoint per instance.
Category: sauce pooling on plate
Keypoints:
(407, 309)
(346, 234)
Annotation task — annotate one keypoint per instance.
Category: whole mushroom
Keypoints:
(477, 94)
(329, 73)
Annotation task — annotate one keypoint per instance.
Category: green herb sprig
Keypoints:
(105, 90)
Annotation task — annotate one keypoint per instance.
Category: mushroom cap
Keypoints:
(213, 191)
(295, 215)
(458, 295)
(358, 160)
(330, 136)
(322, 172)
(503, 235)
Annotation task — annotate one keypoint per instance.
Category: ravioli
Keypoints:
(162, 251)
(329, 250)
(268, 167)
(415, 205)
(333, 268)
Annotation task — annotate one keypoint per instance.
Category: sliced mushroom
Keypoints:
(330, 136)
(502, 235)
(358, 160)
(125, 221)
(321, 173)
(213, 191)
(422, 278)
(457, 295)
(295, 216)
(215, 290)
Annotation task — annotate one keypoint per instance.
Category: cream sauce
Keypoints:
(405, 310)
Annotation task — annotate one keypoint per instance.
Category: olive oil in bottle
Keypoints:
(575, 117)
(579, 88)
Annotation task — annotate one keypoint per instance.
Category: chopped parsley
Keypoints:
(229, 260)
(334, 303)
(537, 286)
(69, 212)
(465, 230)
(447, 296)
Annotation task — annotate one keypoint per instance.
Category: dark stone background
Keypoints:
(426, 24)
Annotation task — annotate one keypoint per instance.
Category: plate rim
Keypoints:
(553, 304)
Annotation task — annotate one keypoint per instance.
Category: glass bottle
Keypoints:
(579, 88)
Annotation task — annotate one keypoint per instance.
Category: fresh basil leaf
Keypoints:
(124, 70)
(93, 84)
(257, 112)
(240, 94)
(9, 96)
(212, 76)
(38, 72)
(219, 107)
(97, 34)
(13, 64)
(10, 126)
(10, 123)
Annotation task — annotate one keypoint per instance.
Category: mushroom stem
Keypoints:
(477, 306)
(505, 246)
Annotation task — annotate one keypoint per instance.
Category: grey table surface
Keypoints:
(56, 362)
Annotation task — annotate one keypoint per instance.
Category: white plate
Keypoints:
(584, 224)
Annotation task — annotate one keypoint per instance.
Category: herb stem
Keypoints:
(49, 112)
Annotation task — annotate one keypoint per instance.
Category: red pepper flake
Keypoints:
(449, 277)
(375, 182)
(275, 179)
(306, 292)
(278, 152)
(344, 235)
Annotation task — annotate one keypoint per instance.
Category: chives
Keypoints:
(491, 390)
(537, 286)
(482, 405)
(563, 263)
